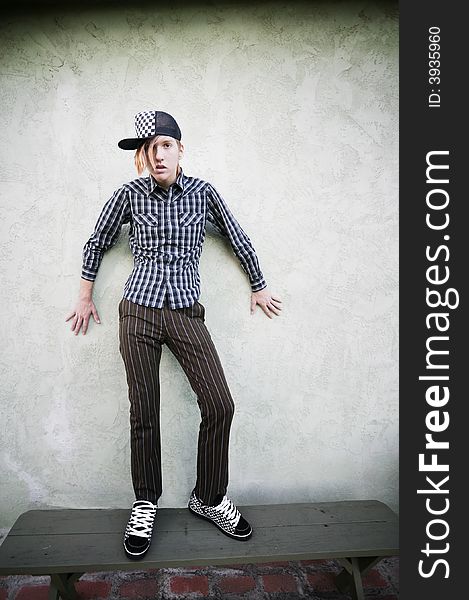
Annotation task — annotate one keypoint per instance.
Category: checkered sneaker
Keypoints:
(224, 515)
(137, 536)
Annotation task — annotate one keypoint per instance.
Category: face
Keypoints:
(165, 153)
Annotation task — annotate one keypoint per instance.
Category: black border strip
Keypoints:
(427, 126)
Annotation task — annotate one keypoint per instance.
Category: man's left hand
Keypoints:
(270, 303)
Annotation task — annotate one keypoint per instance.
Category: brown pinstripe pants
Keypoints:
(142, 332)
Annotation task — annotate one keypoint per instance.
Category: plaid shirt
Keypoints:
(167, 230)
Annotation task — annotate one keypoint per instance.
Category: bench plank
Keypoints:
(114, 520)
(86, 540)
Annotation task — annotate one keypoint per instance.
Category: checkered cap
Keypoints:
(148, 124)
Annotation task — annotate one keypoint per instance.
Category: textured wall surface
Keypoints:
(291, 112)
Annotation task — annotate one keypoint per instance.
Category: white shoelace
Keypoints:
(229, 510)
(141, 520)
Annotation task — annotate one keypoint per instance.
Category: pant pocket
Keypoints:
(201, 313)
(121, 309)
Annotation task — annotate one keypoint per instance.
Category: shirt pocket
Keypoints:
(190, 218)
(191, 225)
(146, 230)
(148, 219)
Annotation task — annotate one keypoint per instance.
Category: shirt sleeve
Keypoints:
(114, 214)
(221, 217)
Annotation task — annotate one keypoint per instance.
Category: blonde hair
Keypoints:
(144, 156)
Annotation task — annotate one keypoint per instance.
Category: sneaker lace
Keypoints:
(141, 520)
(229, 510)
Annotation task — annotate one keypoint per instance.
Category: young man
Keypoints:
(167, 212)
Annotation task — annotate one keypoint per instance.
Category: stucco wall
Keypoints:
(290, 110)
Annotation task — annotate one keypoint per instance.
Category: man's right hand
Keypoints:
(84, 309)
(81, 315)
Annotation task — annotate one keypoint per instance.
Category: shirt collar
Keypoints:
(180, 181)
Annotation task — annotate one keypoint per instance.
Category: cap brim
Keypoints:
(132, 143)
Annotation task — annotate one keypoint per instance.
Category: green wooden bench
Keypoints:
(66, 543)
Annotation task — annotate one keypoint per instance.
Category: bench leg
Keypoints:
(357, 589)
(62, 586)
(350, 578)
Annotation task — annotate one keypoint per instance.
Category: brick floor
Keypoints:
(238, 584)
(137, 589)
(32, 592)
(374, 579)
(312, 580)
(194, 584)
(281, 582)
(321, 581)
(93, 590)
